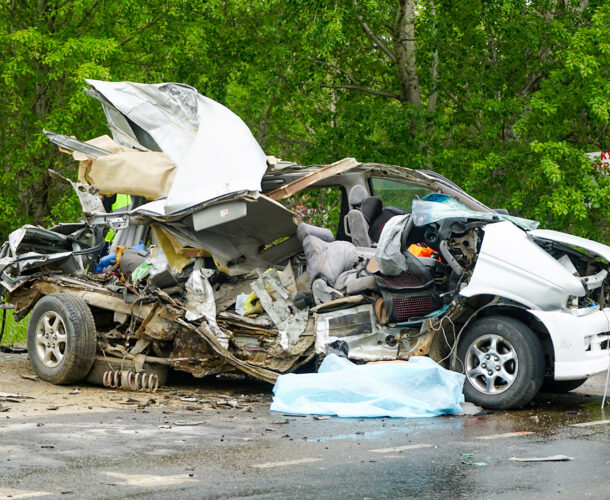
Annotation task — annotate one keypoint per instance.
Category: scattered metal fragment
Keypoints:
(35, 378)
(14, 396)
(75, 391)
(321, 417)
(188, 424)
(553, 458)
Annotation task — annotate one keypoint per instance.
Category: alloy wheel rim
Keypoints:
(491, 364)
(51, 339)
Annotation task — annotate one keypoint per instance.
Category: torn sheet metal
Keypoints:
(275, 299)
(307, 180)
(214, 151)
(238, 246)
(34, 247)
(204, 331)
(200, 301)
(72, 145)
(356, 333)
(88, 196)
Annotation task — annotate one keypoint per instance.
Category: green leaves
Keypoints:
(521, 90)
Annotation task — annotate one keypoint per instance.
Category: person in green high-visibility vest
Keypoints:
(115, 203)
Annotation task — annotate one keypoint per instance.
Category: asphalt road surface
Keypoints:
(218, 439)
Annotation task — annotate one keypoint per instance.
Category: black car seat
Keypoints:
(380, 221)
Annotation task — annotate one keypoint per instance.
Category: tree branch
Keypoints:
(337, 68)
(380, 93)
(143, 28)
(87, 14)
(376, 39)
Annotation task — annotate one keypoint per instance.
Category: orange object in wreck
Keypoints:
(421, 251)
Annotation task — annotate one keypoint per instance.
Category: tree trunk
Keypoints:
(404, 50)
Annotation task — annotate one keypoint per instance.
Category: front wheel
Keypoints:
(561, 386)
(61, 339)
(503, 362)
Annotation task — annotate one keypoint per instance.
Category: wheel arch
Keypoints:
(499, 306)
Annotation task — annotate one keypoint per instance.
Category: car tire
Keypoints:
(561, 386)
(503, 362)
(61, 339)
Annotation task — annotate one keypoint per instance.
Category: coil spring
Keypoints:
(126, 379)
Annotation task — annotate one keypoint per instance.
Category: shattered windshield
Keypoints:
(435, 207)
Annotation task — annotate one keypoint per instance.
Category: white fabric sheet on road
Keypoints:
(213, 149)
(417, 388)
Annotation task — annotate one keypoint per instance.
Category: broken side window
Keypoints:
(322, 207)
(394, 193)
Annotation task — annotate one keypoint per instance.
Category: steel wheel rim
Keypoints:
(491, 364)
(51, 339)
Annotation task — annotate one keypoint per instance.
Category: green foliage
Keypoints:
(513, 92)
(15, 332)
(320, 207)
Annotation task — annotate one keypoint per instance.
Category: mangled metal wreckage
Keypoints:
(204, 273)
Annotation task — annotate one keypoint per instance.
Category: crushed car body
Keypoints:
(207, 271)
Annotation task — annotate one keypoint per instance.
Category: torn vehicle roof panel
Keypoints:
(214, 151)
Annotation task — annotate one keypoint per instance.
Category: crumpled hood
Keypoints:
(214, 151)
(593, 247)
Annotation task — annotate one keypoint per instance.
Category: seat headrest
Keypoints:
(305, 230)
(357, 195)
(371, 208)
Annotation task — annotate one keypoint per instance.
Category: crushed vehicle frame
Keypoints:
(236, 283)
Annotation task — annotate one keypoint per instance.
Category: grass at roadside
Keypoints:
(14, 333)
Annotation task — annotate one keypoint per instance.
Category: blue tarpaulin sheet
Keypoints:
(417, 388)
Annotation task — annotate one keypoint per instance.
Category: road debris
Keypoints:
(468, 460)
(35, 378)
(470, 409)
(553, 458)
(13, 398)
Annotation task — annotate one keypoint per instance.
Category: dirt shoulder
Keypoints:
(183, 393)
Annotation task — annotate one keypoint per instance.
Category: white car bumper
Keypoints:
(580, 343)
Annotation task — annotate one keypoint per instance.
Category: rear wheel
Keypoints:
(503, 362)
(61, 339)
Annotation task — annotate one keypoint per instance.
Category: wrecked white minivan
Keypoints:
(207, 272)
